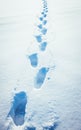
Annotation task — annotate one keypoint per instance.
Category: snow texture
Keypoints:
(40, 71)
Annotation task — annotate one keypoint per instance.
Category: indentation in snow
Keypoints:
(17, 111)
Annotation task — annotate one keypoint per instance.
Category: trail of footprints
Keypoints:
(18, 108)
(42, 43)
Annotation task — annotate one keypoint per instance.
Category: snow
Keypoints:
(17, 111)
(57, 103)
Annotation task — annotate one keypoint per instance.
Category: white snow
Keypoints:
(59, 99)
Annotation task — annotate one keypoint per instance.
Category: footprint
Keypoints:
(44, 22)
(17, 111)
(33, 59)
(40, 26)
(44, 31)
(41, 18)
(42, 13)
(46, 10)
(38, 38)
(43, 46)
(40, 77)
(53, 127)
(30, 128)
(45, 15)
(44, 6)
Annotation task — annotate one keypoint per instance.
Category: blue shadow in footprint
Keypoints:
(44, 31)
(41, 18)
(44, 22)
(40, 77)
(53, 127)
(42, 13)
(33, 59)
(40, 26)
(38, 38)
(17, 111)
(43, 46)
(30, 128)
(45, 15)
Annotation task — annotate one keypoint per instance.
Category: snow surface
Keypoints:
(57, 104)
